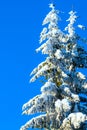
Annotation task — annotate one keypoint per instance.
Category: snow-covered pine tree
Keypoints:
(63, 99)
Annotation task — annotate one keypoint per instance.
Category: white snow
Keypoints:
(81, 27)
(72, 20)
(58, 106)
(61, 49)
(84, 86)
(75, 97)
(67, 90)
(80, 75)
(43, 31)
(49, 87)
(51, 6)
(59, 54)
(66, 105)
(77, 118)
(52, 16)
(62, 105)
(47, 49)
(64, 74)
(39, 73)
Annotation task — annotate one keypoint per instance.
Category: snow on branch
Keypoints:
(42, 103)
(43, 121)
(63, 98)
(74, 121)
(51, 17)
(72, 20)
(49, 87)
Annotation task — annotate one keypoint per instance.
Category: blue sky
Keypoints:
(20, 26)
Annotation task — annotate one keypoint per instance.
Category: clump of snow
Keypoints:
(75, 97)
(80, 75)
(74, 50)
(77, 119)
(84, 86)
(49, 87)
(64, 74)
(52, 5)
(63, 105)
(66, 105)
(66, 90)
(58, 106)
(74, 121)
(59, 54)
(81, 27)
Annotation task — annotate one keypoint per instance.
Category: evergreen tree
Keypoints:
(63, 99)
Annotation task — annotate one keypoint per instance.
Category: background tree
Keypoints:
(63, 99)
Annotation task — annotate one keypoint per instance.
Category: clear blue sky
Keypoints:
(20, 26)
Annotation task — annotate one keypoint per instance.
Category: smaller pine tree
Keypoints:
(63, 99)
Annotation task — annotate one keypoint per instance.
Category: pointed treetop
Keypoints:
(52, 6)
(72, 12)
(72, 19)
